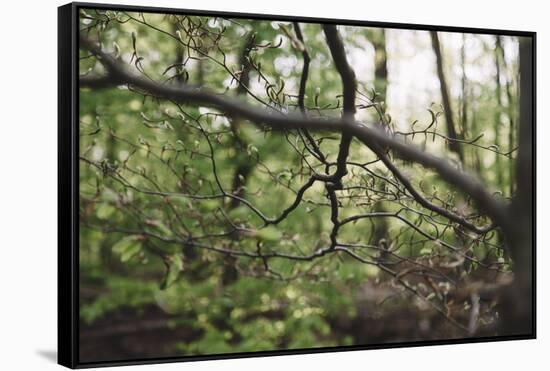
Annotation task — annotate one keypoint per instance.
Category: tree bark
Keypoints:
(451, 128)
(464, 88)
(497, 118)
(510, 111)
(517, 307)
(244, 168)
(378, 40)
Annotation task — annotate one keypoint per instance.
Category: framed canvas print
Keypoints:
(236, 185)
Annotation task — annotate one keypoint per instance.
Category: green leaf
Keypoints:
(175, 266)
(240, 213)
(252, 150)
(109, 195)
(159, 226)
(480, 252)
(130, 252)
(127, 247)
(209, 205)
(104, 211)
(269, 234)
(426, 250)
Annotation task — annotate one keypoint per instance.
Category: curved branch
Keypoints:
(371, 137)
(427, 204)
(349, 83)
(302, 92)
(338, 53)
(305, 68)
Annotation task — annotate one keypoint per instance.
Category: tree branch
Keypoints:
(349, 83)
(372, 137)
(316, 151)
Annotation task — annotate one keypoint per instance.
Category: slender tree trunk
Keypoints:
(244, 165)
(474, 129)
(378, 40)
(497, 118)
(464, 81)
(179, 56)
(464, 101)
(192, 256)
(511, 130)
(451, 128)
(464, 89)
(509, 111)
(517, 306)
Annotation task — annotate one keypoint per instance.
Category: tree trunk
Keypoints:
(378, 40)
(497, 121)
(451, 128)
(517, 307)
(510, 111)
(464, 87)
(244, 165)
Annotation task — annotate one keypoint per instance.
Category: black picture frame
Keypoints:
(68, 182)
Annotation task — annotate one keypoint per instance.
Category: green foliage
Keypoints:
(175, 266)
(121, 293)
(161, 223)
(269, 234)
(127, 247)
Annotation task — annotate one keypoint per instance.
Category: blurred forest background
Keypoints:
(204, 233)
